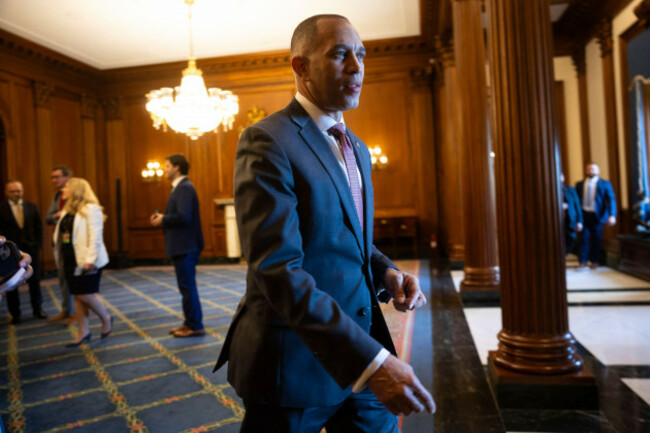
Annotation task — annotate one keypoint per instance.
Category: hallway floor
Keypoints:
(609, 315)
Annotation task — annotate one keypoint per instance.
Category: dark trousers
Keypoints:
(13, 297)
(359, 413)
(185, 267)
(590, 239)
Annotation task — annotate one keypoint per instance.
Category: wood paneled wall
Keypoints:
(58, 111)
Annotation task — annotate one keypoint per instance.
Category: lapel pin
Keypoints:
(357, 144)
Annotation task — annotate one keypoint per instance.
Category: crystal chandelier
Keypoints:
(195, 110)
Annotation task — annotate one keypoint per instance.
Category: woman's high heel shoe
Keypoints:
(85, 339)
(106, 334)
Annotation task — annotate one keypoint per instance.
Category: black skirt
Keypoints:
(85, 284)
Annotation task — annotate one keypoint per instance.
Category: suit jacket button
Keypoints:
(364, 311)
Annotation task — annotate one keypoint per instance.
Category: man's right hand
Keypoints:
(399, 389)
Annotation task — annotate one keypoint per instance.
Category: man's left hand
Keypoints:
(404, 288)
(156, 219)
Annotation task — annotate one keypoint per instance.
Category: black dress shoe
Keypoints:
(85, 339)
(40, 314)
(15, 320)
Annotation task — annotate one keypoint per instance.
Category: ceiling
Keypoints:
(109, 34)
(118, 33)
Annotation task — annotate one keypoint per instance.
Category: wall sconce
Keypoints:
(153, 172)
(378, 159)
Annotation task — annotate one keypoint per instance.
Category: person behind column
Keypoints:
(60, 176)
(573, 221)
(598, 208)
(80, 251)
(308, 346)
(20, 221)
(181, 225)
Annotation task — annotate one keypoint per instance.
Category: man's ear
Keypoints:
(299, 66)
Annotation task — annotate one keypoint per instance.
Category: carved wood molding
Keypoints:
(604, 35)
(22, 48)
(446, 53)
(579, 60)
(88, 106)
(259, 61)
(42, 94)
(421, 77)
(113, 108)
(642, 11)
(580, 22)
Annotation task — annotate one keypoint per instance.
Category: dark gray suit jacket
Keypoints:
(310, 321)
(182, 222)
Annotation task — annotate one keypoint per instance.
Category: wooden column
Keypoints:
(42, 101)
(481, 261)
(535, 337)
(606, 42)
(117, 169)
(88, 111)
(449, 157)
(580, 64)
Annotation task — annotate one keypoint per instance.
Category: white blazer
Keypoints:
(87, 237)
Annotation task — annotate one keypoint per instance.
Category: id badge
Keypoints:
(65, 238)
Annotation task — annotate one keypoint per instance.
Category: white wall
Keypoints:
(596, 97)
(565, 71)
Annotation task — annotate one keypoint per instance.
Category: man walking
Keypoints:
(181, 224)
(60, 176)
(20, 221)
(308, 346)
(598, 208)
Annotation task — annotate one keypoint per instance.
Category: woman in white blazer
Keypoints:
(79, 249)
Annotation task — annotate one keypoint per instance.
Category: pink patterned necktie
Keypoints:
(338, 131)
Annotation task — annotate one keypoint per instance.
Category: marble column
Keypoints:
(535, 337)
(481, 260)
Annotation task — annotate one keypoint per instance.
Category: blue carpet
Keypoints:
(140, 378)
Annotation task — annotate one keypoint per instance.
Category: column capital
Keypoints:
(42, 94)
(579, 59)
(604, 35)
(446, 52)
(642, 11)
(88, 106)
(421, 77)
(112, 108)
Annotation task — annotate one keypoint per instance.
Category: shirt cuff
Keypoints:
(370, 369)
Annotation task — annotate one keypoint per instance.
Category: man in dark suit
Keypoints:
(598, 208)
(573, 221)
(181, 224)
(60, 176)
(21, 222)
(308, 345)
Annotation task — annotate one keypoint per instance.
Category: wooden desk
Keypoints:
(395, 228)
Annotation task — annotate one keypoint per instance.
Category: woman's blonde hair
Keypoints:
(81, 194)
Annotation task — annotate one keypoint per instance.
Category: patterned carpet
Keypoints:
(140, 378)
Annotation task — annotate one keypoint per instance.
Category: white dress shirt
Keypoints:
(589, 194)
(17, 210)
(325, 122)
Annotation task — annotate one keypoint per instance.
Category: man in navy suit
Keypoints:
(20, 222)
(181, 224)
(598, 208)
(573, 220)
(308, 346)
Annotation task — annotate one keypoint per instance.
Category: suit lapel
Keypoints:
(313, 137)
